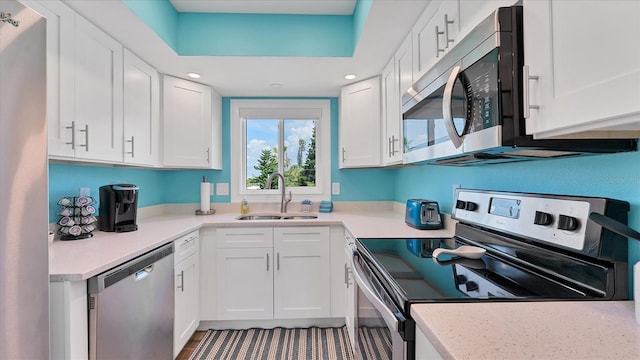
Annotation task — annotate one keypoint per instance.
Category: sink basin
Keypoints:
(300, 217)
(285, 216)
(258, 217)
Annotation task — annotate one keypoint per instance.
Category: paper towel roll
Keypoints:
(205, 196)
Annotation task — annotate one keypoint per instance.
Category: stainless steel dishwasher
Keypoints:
(131, 309)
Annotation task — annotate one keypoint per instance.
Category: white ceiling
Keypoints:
(315, 7)
(388, 23)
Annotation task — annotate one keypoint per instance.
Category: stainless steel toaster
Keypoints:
(423, 214)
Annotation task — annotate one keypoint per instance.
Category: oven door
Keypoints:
(379, 322)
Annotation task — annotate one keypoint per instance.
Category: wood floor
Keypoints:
(191, 345)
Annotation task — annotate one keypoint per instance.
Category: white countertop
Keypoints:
(79, 260)
(531, 330)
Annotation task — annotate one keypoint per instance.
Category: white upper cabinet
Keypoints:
(141, 112)
(84, 76)
(392, 153)
(360, 122)
(583, 65)
(473, 12)
(96, 110)
(434, 34)
(187, 125)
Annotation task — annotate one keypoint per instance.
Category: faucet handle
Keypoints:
(289, 199)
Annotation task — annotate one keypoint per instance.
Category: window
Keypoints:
(290, 137)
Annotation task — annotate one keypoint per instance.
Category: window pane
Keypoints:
(262, 151)
(300, 152)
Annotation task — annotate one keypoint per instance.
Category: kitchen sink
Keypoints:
(285, 216)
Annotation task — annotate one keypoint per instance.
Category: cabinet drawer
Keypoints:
(251, 237)
(185, 246)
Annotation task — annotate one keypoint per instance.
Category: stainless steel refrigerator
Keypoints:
(24, 273)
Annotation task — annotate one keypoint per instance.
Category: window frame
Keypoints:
(320, 110)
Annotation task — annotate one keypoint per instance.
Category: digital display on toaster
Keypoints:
(509, 208)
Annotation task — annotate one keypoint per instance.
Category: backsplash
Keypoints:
(615, 176)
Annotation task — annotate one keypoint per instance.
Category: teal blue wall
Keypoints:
(360, 14)
(257, 35)
(160, 16)
(66, 180)
(182, 186)
(615, 176)
(223, 34)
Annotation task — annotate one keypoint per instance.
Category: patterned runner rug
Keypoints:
(275, 344)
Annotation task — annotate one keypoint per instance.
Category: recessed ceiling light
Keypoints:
(350, 76)
(276, 85)
(193, 75)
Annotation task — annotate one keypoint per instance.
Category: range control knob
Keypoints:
(569, 223)
(460, 204)
(461, 279)
(472, 286)
(471, 206)
(543, 218)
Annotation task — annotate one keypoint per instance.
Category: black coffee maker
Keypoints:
(118, 208)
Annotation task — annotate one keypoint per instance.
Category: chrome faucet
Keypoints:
(283, 202)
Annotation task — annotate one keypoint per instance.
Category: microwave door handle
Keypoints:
(447, 104)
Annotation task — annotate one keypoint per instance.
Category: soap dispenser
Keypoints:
(244, 206)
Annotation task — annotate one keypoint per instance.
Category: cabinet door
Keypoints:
(60, 50)
(187, 305)
(186, 123)
(473, 12)
(98, 94)
(208, 279)
(141, 112)
(404, 67)
(302, 273)
(350, 299)
(434, 33)
(587, 68)
(390, 115)
(424, 348)
(360, 122)
(244, 283)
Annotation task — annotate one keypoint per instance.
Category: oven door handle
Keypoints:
(447, 109)
(389, 317)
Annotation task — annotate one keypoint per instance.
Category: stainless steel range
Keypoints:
(538, 248)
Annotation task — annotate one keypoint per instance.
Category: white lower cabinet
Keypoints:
(349, 283)
(272, 273)
(301, 279)
(424, 348)
(245, 283)
(187, 289)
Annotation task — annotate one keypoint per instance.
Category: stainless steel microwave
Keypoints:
(468, 109)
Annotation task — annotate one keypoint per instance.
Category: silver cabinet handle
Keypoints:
(525, 92)
(181, 276)
(438, 50)
(73, 135)
(446, 30)
(208, 154)
(389, 145)
(447, 113)
(277, 261)
(267, 261)
(393, 144)
(132, 147)
(343, 151)
(86, 137)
